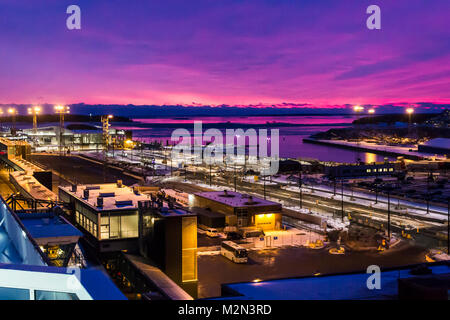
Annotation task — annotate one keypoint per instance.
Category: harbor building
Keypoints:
(241, 210)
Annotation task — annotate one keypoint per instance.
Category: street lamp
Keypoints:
(358, 110)
(34, 111)
(409, 111)
(61, 110)
(13, 112)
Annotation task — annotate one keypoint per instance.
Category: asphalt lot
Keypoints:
(82, 171)
(213, 270)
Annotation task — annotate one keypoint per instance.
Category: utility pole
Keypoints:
(264, 177)
(210, 176)
(342, 200)
(448, 225)
(389, 215)
(300, 184)
(235, 188)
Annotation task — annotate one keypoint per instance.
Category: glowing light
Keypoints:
(409, 110)
(62, 109)
(371, 111)
(12, 110)
(358, 108)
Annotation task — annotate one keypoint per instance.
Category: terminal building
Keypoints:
(26, 273)
(107, 212)
(136, 232)
(241, 210)
(49, 138)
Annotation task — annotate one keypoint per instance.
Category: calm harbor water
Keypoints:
(292, 130)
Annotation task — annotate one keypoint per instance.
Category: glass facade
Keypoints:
(119, 226)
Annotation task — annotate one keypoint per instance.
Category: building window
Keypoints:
(14, 294)
(54, 295)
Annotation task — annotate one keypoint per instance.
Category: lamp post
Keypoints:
(448, 225)
(13, 112)
(409, 111)
(34, 111)
(358, 110)
(371, 112)
(61, 110)
(342, 200)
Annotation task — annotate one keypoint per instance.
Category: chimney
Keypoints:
(74, 188)
(119, 183)
(100, 202)
(86, 193)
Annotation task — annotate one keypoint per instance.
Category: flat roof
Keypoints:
(32, 186)
(175, 212)
(94, 280)
(236, 199)
(114, 197)
(47, 225)
(351, 286)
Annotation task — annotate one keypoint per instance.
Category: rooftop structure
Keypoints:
(241, 210)
(114, 196)
(107, 212)
(235, 199)
(338, 287)
(26, 183)
(56, 237)
(26, 274)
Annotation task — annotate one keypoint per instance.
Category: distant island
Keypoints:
(67, 118)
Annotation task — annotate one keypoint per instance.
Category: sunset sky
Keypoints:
(225, 52)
